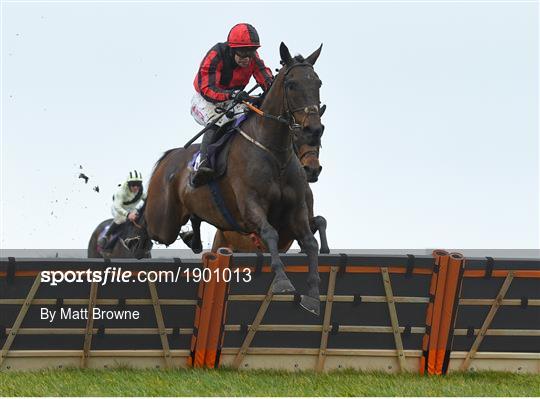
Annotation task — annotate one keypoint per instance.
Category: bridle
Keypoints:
(288, 119)
(309, 109)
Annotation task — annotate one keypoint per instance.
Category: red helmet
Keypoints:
(243, 35)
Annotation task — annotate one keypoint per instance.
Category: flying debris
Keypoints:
(83, 176)
(96, 189)
(80, 167)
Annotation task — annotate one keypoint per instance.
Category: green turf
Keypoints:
(128, 382)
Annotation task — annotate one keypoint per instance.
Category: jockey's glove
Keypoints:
(240, 96)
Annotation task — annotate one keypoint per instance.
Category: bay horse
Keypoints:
(135, 246)
(264, 187)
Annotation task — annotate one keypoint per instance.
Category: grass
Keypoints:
(190, 382)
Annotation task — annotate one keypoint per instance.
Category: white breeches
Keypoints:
(204, 111)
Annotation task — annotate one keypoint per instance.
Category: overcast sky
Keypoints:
(431, 133)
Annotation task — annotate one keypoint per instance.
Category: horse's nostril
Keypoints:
(317, 131)
(309, 170)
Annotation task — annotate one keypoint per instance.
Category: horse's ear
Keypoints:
(285, 54)
(313, 56)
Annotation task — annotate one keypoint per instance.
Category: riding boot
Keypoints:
(104, 241)
(205, 172)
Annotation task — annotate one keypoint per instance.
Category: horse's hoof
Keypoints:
(325, 250)
(283, 286)
(197, 249)
(186, 237)
(312, 305)
(196, 246)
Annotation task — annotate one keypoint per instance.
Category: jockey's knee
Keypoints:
(119, 219)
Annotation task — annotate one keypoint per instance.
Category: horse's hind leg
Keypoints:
(318, 223)
(196, 244)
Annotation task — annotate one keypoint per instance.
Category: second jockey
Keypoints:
(127, 202)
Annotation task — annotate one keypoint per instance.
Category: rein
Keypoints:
(137, 225)
(289, 120)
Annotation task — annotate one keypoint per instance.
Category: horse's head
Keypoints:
(309, 158)
(301, 86)
(137, 240)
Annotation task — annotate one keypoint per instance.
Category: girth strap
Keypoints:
(220, 203)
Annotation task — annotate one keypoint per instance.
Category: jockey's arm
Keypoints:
(119, 199)
(209, 74)
(262, 74)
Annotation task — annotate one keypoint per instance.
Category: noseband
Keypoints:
(314, 152)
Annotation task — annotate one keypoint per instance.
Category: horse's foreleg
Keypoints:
(256, 217)
(308, 244)
(318, 223)
(281, 284)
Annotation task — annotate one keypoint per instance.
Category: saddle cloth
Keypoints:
(218, 152)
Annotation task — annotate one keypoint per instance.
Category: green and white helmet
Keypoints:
(134, 177)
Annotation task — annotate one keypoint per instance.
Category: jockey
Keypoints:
(127, 202)
(223, 74)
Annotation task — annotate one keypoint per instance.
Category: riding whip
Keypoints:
(215, 120)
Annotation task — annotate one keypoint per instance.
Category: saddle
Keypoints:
(218, 152)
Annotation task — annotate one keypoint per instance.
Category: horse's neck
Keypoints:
(273, 134)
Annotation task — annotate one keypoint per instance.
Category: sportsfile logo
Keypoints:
(111, 274)
(114, 274)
